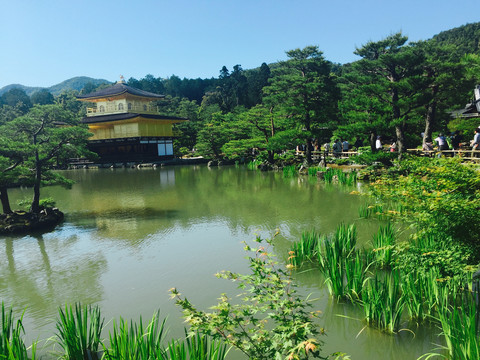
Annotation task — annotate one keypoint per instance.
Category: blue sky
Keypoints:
(46, 42)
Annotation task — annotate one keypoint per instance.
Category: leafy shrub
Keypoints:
(271, 321)
(370, 158)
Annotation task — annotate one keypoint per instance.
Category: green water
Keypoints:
(130, 235)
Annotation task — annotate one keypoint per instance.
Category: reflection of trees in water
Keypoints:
(41, 278)
(131, 204)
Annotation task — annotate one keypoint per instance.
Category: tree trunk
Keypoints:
(430, 118)
(5, 201)
(35, 208)
(398, 127)
(308, 151)
(373, 139)
(400, 140)
(271, 158)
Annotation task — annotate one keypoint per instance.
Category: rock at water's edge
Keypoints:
(25, 222)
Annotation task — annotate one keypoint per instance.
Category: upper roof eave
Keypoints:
(117, 89)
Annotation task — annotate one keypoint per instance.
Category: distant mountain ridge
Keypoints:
(75, 83)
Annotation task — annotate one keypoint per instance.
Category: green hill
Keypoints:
(466, 38)
(76, 83)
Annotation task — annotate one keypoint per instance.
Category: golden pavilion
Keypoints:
(127, 126)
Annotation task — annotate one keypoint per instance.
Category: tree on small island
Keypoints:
(32, 146)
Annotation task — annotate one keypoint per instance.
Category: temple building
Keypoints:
(126, 125)
(472, 109)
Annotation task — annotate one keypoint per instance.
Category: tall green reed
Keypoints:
(383, 302)
(343, 177)
(289, 171)
(356, 268)
(12, 346)
(304, 250)
(313, 170)
(131, 341)
(196, 347)
(252, 165)
(460, 329)
(383, 245)
(335, 259)
(79, 331)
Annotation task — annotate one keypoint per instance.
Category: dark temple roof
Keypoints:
(125, 116)
(472, 109)
(118, 89)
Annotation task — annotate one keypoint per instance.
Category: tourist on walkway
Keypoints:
(476, 142)
(337, 148)
(345, 145)
(378, 143)
(393, 146)
(441, 142)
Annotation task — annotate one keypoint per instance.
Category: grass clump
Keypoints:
(290, 171)
(197, 347)
(135, 341)
(304, 250)
(383, 302)
(79, 331)
(12, 346)
(383, 245)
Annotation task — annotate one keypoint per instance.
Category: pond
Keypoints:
(130, 235)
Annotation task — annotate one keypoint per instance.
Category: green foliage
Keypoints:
(16, 97)
(369, 158)
(465, 38)
(47, 135)
(305, 89)
(449, 257)
(79, 330)
(271, 321)
(253, 165)
(440, 196)
(12, 346)
(460, 329)
(382, 89)
(313, 170)
(42, 97)
(47, 202)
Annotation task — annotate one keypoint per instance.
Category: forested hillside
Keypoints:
(466, 38)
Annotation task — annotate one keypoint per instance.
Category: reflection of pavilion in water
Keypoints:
(130, 217)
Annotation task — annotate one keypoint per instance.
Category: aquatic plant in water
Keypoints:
(304, 250)
(334, 253)
(383, 302)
